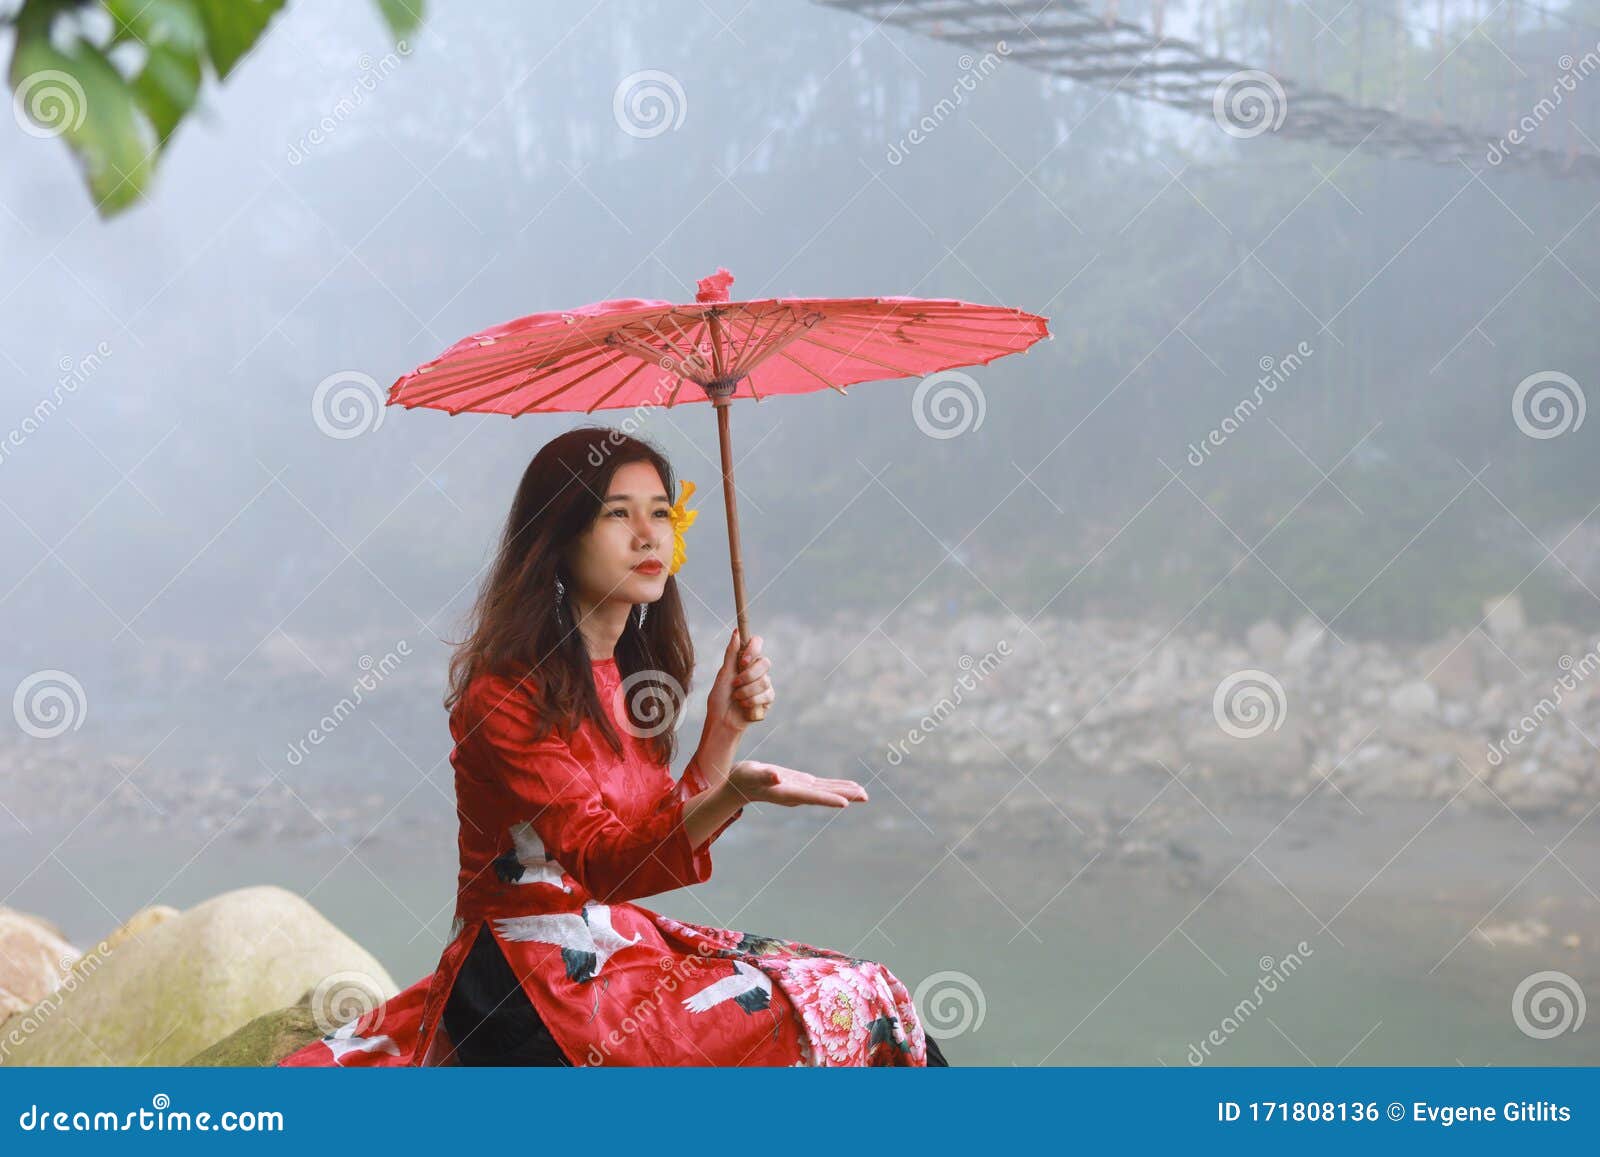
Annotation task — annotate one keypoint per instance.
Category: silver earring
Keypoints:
(561, 593)
(644, 609)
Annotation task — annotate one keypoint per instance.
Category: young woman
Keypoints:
(564, 704)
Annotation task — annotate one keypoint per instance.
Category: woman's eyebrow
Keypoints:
(627, 497)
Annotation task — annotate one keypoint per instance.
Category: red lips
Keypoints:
(654, 566)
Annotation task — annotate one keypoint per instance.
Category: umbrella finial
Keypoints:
(715, 287)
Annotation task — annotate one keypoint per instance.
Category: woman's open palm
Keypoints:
(772, 783)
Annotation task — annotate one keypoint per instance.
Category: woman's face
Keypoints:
(633, 526)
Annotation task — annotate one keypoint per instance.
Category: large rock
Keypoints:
(266, 1040)
(182, 984)
(34, 959)
(141, 922)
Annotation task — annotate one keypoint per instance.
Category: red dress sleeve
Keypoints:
(541, 782)
(691, 785)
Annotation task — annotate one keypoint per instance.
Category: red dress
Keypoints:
(557, 838)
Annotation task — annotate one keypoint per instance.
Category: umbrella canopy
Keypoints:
(600, 356)
(631, 352)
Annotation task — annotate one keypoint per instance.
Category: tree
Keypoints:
(115, 78)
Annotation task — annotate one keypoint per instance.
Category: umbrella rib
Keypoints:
(784, 354)
(929, 340)
(452, 383)
(690, 356)
(628, 377)
(565, 386)
(646, 352)
(523, 382)
(938, 325)
(542, 398)
(904, 373)
(774, 345)
(755, 327)
(688, 341)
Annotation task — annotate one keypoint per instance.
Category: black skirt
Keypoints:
(491, 1021)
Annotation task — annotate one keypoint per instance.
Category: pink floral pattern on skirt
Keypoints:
(854, 1011)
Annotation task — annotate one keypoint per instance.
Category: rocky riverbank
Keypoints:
(1505, 717)
(1508, 711)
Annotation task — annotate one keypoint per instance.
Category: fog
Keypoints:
(1391, 544)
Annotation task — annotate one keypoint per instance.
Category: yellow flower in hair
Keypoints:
(682, 519)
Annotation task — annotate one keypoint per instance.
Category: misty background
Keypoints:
(1104, 868)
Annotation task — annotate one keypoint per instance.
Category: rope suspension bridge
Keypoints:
(1502, 84)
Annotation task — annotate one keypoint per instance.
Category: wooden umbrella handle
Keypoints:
(757, 712)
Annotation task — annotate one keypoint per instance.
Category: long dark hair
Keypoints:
(513, 627)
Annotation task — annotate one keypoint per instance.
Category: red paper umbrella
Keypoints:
(628, 353)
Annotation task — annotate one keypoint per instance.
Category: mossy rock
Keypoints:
(169, 992)
(264, 1041)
